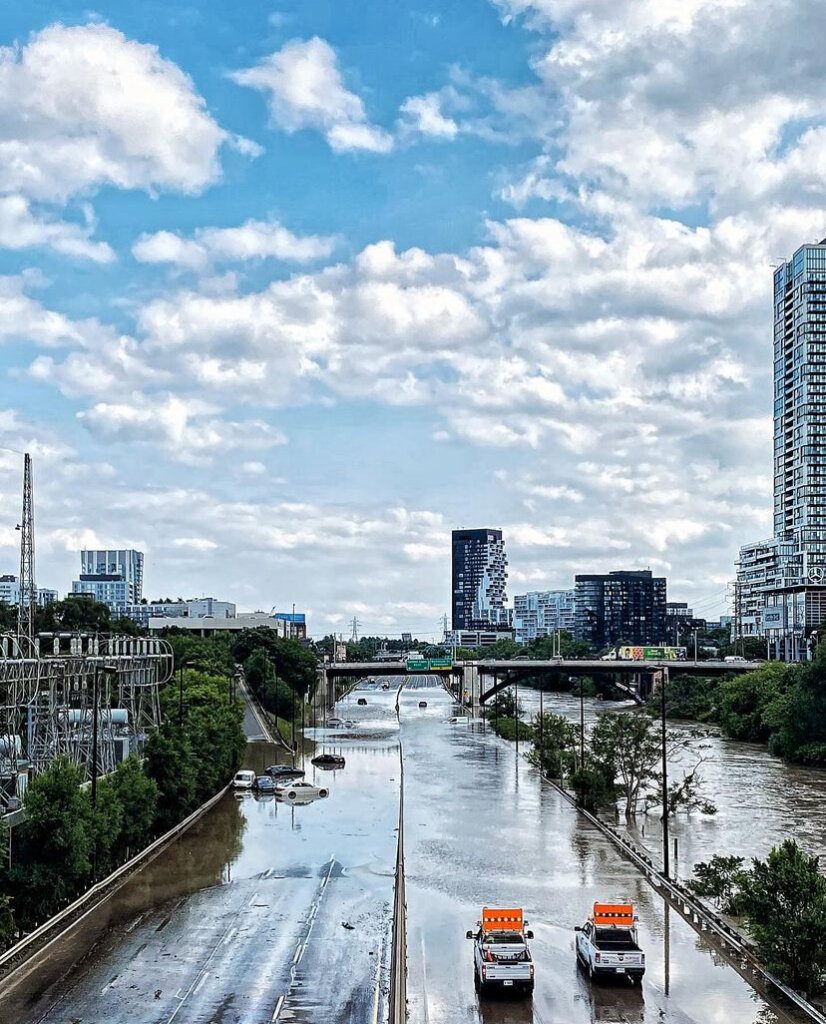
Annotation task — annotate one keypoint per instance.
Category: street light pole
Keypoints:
(516, 711)
(95, 737)
(663, 682)
(695, 645)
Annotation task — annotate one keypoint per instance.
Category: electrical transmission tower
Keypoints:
(27, 605)
(355, 627)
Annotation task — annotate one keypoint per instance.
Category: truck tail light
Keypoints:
(484, 971)
(598, 958)
(642, 958)
(531, 970)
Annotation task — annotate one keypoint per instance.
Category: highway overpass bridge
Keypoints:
(480, 680)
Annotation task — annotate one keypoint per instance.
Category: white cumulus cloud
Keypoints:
(305, 89)
(252, 240)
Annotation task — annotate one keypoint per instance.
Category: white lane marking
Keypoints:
(135, 923)
(304, 941)
(424, 982)
(201, 980)
(377, 988)
(204, 971)
(254, 898)
(230, 935)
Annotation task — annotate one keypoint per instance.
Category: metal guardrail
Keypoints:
(398, 949)
(28, 947)
(698, 915)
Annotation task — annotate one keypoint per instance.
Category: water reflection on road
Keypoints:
(241, 920)
(481, 828)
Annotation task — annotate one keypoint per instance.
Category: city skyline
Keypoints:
(450, 294)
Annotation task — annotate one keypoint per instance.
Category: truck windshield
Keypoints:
(504, 938)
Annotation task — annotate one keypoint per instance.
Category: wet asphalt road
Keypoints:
(481, 828)
(241, 922)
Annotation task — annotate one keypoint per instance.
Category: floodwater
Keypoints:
(243, 919)
(269, 912)
(481, 828)
(760, 800)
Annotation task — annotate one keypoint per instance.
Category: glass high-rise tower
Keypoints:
(479, 580)
(780, 593)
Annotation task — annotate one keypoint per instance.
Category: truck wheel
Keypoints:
(529, 990)
(590, 972)
(476, 984)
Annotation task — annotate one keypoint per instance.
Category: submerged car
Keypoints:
(361, 701)
(264, 784)
(284, 771)
(422, 703)
(335, 723)
(296, 792)
(243, 779)
(329, 761)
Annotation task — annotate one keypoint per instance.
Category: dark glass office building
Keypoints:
(479, 580)
(628, 606)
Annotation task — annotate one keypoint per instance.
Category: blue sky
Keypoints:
(291, 290)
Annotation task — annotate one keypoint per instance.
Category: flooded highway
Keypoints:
(261, 912)
(481, 828)
(270, 912)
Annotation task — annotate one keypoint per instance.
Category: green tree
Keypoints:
(745, 701)
(293, 662)
(690, 697)
(720, 880)
(211, 654)
(275, 695)
(502, 705)
(53, 858)
(169, 764)
(107, 823)
(784, 898)
(138, 797)
(78, 613)
(630, 745)
(593, 786)
(7, 926)
(555, 741)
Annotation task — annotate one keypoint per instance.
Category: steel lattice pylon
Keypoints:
(27, 606)
(47, 705)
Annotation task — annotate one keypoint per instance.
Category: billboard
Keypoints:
(774, 617)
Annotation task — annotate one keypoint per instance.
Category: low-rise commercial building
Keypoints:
(476, 637)
(207, 625)
(197, 608)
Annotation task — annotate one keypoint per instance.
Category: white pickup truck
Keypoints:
(501, 957)
(607, 943)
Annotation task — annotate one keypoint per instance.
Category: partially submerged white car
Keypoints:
(300, 792)
(243, 779)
